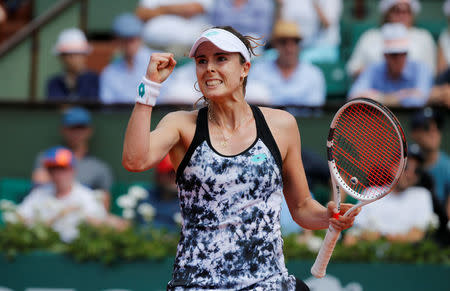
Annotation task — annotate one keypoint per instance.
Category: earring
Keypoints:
(195, 88)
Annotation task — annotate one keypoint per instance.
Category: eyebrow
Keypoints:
(216, 54)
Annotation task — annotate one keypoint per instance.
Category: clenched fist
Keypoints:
(160, 67)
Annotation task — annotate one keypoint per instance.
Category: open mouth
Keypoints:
(213, 83)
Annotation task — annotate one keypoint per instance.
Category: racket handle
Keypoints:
(319, 267)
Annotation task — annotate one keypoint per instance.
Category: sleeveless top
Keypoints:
(230, 205)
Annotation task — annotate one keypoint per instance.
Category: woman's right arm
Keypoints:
(143, 149)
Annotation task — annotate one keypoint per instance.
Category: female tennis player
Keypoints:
(233, 164)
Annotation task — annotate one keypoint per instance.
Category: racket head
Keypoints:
(367, 149)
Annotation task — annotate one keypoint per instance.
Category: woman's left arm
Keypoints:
(306, 212)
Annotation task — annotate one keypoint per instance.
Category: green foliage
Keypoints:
(18, 238)
(381, 250)
(106, 245)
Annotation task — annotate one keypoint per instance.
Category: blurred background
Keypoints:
(68, 76)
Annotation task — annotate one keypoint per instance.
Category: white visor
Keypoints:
(222, 39)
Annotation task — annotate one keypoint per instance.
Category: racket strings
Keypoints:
(372, 130)
(370, 141)
(365, 146)
(367, 167)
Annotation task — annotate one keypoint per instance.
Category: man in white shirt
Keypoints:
(64, 203)
(291, 82)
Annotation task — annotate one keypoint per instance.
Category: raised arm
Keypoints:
(143, 149)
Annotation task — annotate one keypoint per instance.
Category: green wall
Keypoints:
(56, 271)
(15, 73)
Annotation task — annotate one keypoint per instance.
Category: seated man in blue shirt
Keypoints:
(119, 80)
(396, 81)
(290, 81)
(427, 129)
(76, 83)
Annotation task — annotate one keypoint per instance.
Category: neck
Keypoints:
(229, 115)
(71, 78)
(239, 3)
(80, 151)
(394, 76)
(431, 157)
(287, 68)
(129, 59)
(63, 191)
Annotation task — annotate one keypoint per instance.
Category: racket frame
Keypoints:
(319, 267)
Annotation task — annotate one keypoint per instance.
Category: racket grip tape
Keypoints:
(319, 267)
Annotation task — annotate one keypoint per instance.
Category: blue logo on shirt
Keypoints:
(259, 158)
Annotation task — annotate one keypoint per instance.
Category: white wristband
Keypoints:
(147, 92)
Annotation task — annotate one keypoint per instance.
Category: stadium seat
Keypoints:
(336, 79)
(14, 189)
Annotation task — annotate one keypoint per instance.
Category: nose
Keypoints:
(211, 67)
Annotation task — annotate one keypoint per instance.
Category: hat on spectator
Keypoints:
(127, 25)
(385, 5)
(446, 8)
(422, 118)
(76, 116)
(395, 38)
(72, 41)
(286, 29)
(58, 157)
(165, 166)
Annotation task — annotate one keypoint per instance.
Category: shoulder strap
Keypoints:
(266, 136)
(201, 133)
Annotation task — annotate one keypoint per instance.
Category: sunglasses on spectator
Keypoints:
(79, 126)
(395, 55)
(401, 10)
(287, 40)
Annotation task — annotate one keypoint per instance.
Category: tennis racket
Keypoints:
(367, 153)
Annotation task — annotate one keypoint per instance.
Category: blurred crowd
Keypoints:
(397, 64)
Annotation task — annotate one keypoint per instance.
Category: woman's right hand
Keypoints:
(160, 67)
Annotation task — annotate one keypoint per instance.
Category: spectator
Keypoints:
(442, 234)
(76, 83)
(408, 205)
(440, 93)
(172, 25)
(119, 80)
(250, 17)
(396, 81)
(290, 81)
(369, 48)
(164, 197)
(91, 172)
(444, 43)
(63, 204)
(426, 131)
(319, 22)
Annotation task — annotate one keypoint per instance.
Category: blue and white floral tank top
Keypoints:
(231, 238)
